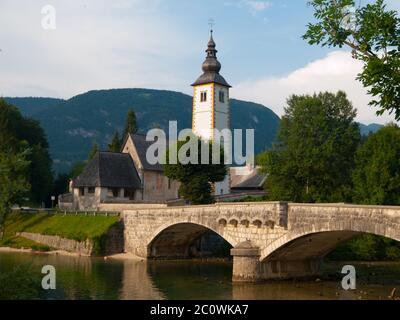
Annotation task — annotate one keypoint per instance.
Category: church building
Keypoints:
(124, 180)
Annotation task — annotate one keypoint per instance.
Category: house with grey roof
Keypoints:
(112, 181)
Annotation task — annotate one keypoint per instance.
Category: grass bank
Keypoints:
(75, 227)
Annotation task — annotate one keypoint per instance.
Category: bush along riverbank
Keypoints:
(367, 247)
(83, 234)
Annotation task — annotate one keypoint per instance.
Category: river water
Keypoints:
(96, 278)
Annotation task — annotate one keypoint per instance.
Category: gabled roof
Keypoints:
(109, 169)
(141, 145)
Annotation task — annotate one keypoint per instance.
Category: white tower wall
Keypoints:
(211, 106)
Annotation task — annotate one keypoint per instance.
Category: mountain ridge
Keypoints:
(72, 125)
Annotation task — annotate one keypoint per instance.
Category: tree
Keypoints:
(377, 173)
(313, 155)
(13, 182)
(196, 179)
(130, 124)
(77, 169)
(115, 145)
(373, 34)
(92, 153)
(18, 134)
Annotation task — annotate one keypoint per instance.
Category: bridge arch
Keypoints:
(175, 240)
(313, 244)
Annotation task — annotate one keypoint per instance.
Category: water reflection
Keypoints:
(96, 278)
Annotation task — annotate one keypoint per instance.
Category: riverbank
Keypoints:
(118, 256)
(30, 250)
(82, 234)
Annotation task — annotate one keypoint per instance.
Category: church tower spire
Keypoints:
(211, 66)
(211, 111)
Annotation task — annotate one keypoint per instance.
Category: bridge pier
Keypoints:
(246, 263)
(247, 266)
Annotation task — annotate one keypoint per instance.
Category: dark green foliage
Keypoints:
(61, 184)
(130, 124)
(18, 134)
(115, 145)
(93, 152)
(313, 156)
(34, 106)
(367, 247)
(19, 283)
(373, 34)
(72, 125)
(196, 179)
(77, 169)
(377, 173)
(13, 182)
(41, 176)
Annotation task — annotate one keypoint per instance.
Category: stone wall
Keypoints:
(113, 241)
(110, 243)
(56, 242)
(119, 207)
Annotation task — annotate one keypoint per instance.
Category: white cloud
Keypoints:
(97, 44)
(336, 71)
(257, 5)
(254, 6)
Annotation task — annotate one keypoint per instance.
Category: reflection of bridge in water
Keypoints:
(269, 239)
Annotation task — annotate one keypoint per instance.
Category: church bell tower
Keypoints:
(211, 104)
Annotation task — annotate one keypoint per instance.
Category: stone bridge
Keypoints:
(269, 239)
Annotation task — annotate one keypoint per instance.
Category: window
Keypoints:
(129, 193)
(91, 189)
(81, 191)
(203, 96)
(222, 96)
(113, 192)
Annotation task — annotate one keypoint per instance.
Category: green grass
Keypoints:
(23, 243)
(76, 227)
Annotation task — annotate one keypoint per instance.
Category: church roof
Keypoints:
(141, 145)
(211, 67)
(211, 77)
(109, 169)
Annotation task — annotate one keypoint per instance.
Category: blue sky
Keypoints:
(160, 44)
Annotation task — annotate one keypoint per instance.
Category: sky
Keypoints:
(159, 44)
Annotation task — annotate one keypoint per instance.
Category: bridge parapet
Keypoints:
(308, 218)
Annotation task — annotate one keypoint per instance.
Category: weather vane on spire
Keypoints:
(211, 23)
